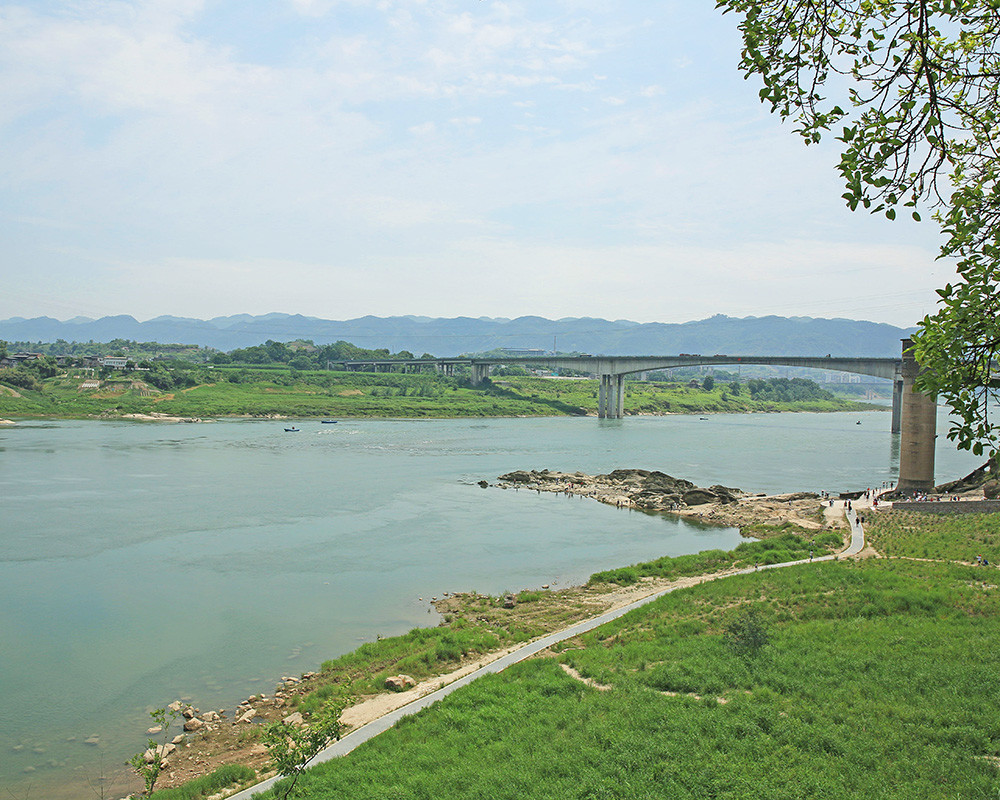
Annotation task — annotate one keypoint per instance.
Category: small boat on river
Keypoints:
(330, 421)
(292, 430)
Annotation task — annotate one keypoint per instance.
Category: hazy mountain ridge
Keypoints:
(452, 336)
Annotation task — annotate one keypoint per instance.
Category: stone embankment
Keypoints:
(650, 490)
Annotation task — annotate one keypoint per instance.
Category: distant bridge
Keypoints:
(914, 416)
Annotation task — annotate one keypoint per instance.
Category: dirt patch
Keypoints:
(350, 393)
(591, 683)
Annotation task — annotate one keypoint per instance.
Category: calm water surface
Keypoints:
(140, 563)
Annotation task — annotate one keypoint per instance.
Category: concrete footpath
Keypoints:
(374, 728)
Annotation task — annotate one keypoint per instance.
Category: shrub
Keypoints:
(747, 635)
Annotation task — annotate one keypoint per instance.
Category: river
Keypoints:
(140, 563)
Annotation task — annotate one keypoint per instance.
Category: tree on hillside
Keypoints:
(914, 89)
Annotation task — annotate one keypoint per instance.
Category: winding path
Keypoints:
(374, 728)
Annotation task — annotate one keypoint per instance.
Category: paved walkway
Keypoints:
(374, 728)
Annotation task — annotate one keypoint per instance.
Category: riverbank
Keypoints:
(389, 395)
(477, 630)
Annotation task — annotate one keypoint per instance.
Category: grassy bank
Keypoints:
(477, 624)
(917, 535)
(878, 682)
(290, 393)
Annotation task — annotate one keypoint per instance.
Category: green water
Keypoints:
(140, 563)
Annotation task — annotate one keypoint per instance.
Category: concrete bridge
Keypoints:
(914, 416)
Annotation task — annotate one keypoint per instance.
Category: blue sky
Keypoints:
(337, 158)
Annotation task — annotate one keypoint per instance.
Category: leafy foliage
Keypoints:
(746, 635)
(292, 747)
(150, 770)
(919, 98)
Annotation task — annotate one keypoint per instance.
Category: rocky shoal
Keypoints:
(635, 488)
(651, 490)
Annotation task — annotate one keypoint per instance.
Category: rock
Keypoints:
(178, 739)
(248, 716)
(154, 729)
(189, 713)
(509, 601)
(698, 497)
(175, 706)
(484, 484)
(210, 716)
(726, 494)
(93, 739)
(294, 719)
(399, 683)
(991, 490)
(193, 724)
(792, 496)
(518, 476)
(162, 751)
(667, 483)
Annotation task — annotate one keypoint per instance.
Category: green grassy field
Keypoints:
(879, 681)
(950, 538)
(261, 393)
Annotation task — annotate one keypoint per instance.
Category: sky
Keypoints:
(337, 158)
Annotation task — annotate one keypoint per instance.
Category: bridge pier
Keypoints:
(611, 396)
(897, 403)
(480, 372)
(918, 429)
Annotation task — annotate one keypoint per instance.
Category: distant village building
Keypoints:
(115, 362)
(20, 358)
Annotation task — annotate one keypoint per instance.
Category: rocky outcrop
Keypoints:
(399, 683)
(636, 488)
(985, 474)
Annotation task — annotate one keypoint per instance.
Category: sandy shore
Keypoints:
(154, 417)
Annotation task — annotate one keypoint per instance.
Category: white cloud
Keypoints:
(411, 140)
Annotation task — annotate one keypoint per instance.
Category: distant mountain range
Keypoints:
(447, 337)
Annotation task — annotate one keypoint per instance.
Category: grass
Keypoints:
(475, 625)
(785, 546)
(261, 393)
(879, 682)
(916, 535)
(478, 624)
(223, 778)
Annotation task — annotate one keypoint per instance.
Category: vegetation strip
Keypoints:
(372, 729)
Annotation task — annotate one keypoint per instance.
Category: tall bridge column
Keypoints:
(918, 430)
(611, 396)
(480, 372)
(897, 402)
